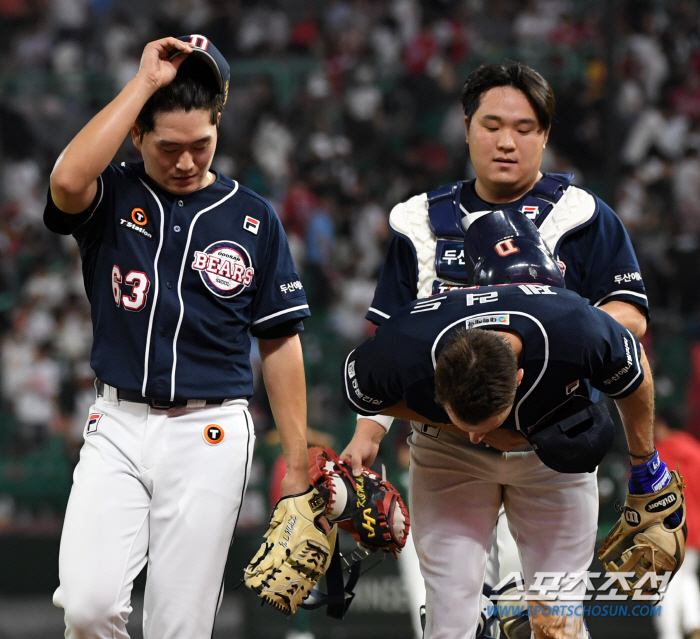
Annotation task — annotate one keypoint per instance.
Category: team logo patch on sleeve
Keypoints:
(93, 420)
(213, 434)
(251, 224)
(225, 268)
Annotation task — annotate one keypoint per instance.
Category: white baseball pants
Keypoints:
(150, 488)
(456, 492)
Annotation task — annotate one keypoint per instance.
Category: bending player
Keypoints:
(484, 374)
(180, 263)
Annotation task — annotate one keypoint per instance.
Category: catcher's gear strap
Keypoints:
(641, 544)
(563, 209)
(339, 596)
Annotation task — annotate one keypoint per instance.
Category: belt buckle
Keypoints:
(156, 403)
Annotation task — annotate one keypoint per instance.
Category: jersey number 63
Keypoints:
(139, 283)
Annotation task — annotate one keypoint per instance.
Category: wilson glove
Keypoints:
(650, 536)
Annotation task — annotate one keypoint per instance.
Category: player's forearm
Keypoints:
(629, 315)
(73, 179)
(637, 413)
(283, 370)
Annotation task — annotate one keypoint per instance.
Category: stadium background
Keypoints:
(338, 109)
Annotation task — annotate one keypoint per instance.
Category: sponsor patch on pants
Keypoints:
(213, 434)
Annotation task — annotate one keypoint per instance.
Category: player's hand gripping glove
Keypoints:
(295, 554)
(650, 536)
(368, 507)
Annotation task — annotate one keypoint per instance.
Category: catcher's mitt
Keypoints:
(640, 543)
(295, 554)
(368, 507)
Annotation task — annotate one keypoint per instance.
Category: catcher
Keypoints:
(300, 543)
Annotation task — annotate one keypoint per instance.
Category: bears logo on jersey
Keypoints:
(225, 268)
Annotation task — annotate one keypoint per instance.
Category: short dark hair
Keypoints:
(476, 375)
(194, 88)
(510, 74)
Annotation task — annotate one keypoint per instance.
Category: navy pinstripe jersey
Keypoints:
(565, 342)
(176, 283)
(599, 261)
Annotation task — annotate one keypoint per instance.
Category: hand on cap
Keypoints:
(161, 60)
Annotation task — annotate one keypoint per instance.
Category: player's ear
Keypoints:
(546, 137)
(466, 127)
(136, 137)
(519, 376)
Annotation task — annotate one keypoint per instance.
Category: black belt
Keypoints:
(135, 396)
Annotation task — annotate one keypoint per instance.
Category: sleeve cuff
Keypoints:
(384, 421)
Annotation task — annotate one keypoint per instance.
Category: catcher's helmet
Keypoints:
(505, 247)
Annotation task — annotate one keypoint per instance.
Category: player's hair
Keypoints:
(476, 375)
(194, 88)
(510, 74)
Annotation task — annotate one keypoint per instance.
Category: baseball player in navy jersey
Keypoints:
(501, 366)
(508, 113)
(180, 265)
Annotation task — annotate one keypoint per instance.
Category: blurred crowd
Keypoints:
(339, 109)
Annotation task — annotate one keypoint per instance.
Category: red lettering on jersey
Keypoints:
(225, 270)
(248, 277)
(238, 270)
(200, 260)
(506, 247)
(213, 263)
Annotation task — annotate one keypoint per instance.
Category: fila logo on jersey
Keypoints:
(213, 434)
(93, 420)
(531, 212)
(225, 268)
(251, 224)
(506, 247)
(572, 387)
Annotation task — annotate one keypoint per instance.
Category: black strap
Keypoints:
(340, 595)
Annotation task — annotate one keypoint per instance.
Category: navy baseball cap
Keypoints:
(575, 437)
(204, 49)
(505, 247)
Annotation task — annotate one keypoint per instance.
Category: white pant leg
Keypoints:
(553, 517)
(105, 531)
(454, 506)
(197, 493)
(680, 606)
(409, 569)
(506, 548)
